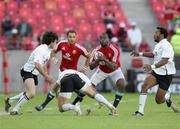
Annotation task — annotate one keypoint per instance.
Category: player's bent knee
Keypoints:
(159, 100)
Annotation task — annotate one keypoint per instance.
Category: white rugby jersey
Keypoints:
(163, 49)
(71, 71)
(40, 55)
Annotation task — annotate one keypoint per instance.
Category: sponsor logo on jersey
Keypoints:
(67, 56)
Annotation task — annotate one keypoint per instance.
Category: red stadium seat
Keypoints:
(25, 12)
(82, 20)
(26, 43)
(12, 5)
(116, 5)
(58, 28)
(3, 41)
(59, 2)
(70, 22)
(158, 7)
(17, 19)
(93, 14)
(12, 12)
(38, 13)
(25, 4)
(85, 28)
(101, 1)
(79, 13)
(50, 13)
(137, 63)
(2, 6)
(99, 28)
(64, 9)
(56, 19)
(50, 5)
(32, 20)
(37, 4)
(1, 15)
(89, 6)
(44, 27)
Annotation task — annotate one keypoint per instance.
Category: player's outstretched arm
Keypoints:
(145, 54)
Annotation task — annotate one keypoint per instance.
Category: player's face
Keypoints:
(53, 44)
(104, 40)
(71, 38)
(157, 35)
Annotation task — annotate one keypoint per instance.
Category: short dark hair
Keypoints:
(49, 37)
(70, 31)
(163, 31)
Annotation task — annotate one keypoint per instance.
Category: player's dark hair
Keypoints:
(70, 31)
(49, 37)
(163, 31)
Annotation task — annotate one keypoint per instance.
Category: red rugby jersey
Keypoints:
(112, 54)
(70, 54)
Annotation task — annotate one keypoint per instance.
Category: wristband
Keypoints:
(153, 66)
(140, 53)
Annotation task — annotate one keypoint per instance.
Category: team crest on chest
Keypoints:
(109, 54)
(74, 51)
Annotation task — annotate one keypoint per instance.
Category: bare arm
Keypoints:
(109, 64)
(148, 67)
(94, 64)
(86, 64)
(145, 54)
(43, 71)
(162, 62)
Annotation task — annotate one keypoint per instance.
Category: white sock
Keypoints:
(142, 101)
(21, 102)
(67, 107)
(167, 95)
(101, 99)
(14, 98)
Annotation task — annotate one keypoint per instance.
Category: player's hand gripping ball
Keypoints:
(97, 55)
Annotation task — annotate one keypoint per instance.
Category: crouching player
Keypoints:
(72, 80)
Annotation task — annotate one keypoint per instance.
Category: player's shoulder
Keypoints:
(40, 47)
(80, 46)
(113, 45)
(62, 42)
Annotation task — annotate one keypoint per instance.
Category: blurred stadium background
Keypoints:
(24, 21)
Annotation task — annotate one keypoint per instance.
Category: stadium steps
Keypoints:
(140, 11)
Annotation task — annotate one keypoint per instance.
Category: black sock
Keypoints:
(117, 100)
(50, 96)
(79, 98)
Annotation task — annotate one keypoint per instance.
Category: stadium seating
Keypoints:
(159, 8)
(60, 15)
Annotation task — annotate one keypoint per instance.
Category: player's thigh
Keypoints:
(98, 76)
(118, 77)
(149, 82)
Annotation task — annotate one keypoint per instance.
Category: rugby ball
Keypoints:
(97, 55)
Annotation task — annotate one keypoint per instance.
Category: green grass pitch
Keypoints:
(156, 116)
